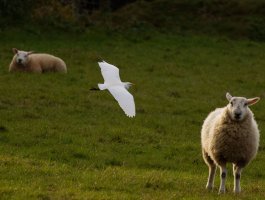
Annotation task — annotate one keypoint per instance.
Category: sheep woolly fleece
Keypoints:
(39, 63)
(226, 140)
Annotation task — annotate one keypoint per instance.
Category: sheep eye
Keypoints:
(231, 103)
(245, 104)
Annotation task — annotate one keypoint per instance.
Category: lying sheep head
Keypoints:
(238, 106)
(21, 56)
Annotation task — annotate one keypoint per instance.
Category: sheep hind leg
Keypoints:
(60, 68)
(210, 182)
(223, 173)
(212, 170)
(237, 175)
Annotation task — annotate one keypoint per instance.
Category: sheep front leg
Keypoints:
(36, 69)
(237, 175)
(223, 173)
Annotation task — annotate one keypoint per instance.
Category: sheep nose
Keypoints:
(237, 115)
(19, 60)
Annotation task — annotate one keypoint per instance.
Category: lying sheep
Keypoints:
(230, 134)
(39, 62)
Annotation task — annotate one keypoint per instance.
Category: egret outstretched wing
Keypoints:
(113, 83)
(124, 98)
(109, 72)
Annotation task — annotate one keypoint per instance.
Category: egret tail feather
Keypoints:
(102, 86)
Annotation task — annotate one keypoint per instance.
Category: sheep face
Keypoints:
(238, 106)
(21, 56)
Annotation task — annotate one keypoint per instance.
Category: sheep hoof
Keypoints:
(237, 191)
(221, 191)
(209, 187)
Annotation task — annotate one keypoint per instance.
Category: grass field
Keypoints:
(59, 140)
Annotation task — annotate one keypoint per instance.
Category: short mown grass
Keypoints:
(59, 140)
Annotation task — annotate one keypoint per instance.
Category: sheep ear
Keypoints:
(228, 96)
(253, 101)
(14, 50)
(30, 52)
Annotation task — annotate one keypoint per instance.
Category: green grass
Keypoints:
(59, 140)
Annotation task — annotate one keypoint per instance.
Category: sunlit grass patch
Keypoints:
(59, 140)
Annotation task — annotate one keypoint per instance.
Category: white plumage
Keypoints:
(117, 88)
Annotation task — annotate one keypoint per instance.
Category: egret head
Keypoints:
(238, 106)
(127, 85)
(21, 56)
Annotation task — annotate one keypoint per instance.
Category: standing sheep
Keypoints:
(230, 134)
(39, 62)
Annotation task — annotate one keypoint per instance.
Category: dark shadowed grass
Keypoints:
(59, 140)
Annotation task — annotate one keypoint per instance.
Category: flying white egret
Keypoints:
(117, 88)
